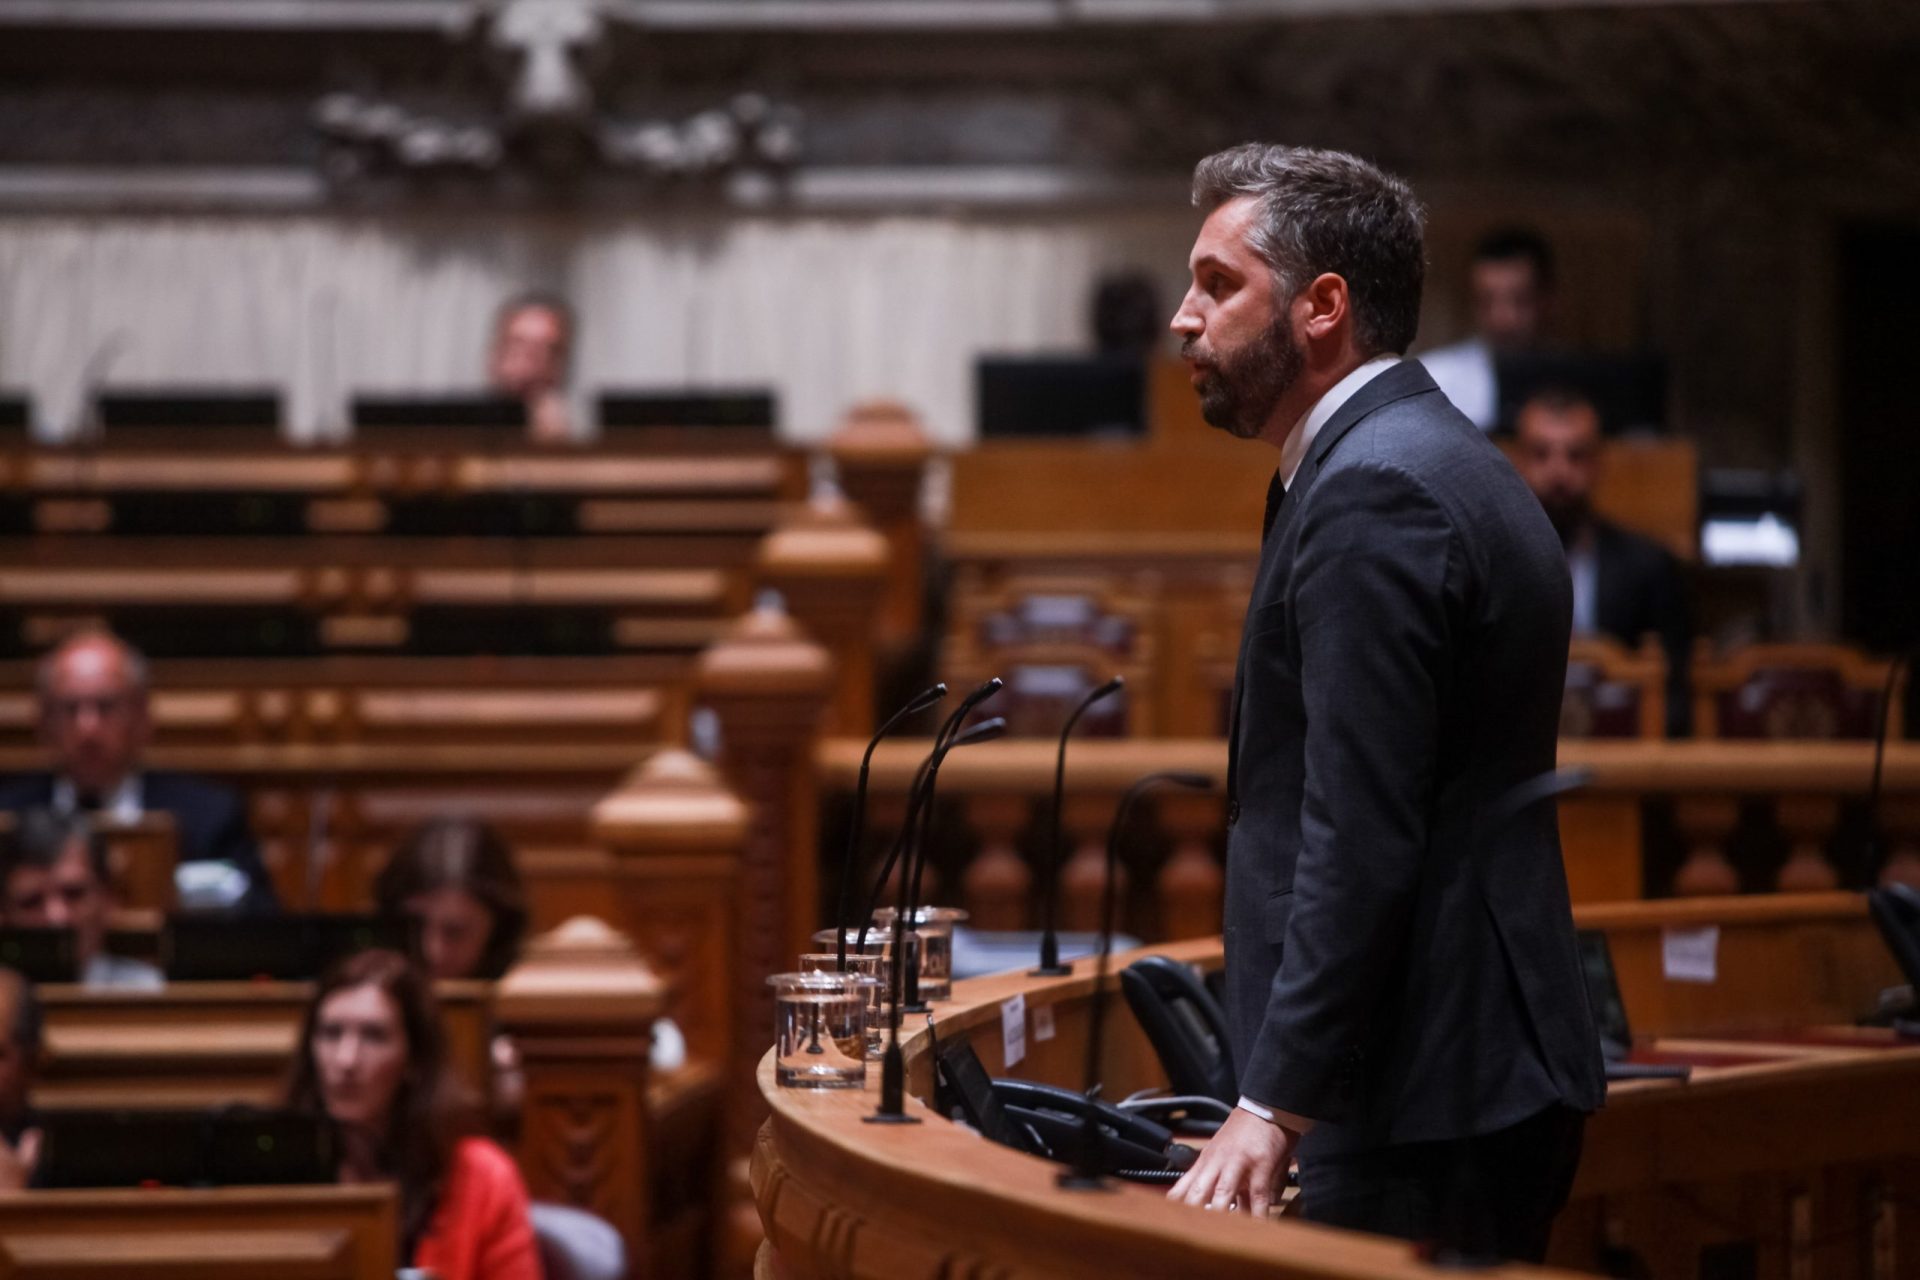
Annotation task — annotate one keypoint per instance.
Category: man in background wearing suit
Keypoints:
(95, 723)
(1624, 585)
(1405, 997)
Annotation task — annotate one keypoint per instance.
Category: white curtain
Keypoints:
(827, 310)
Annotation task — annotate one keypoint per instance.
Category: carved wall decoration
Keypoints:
(544, 59)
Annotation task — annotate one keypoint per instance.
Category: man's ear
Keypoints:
(1324, 307)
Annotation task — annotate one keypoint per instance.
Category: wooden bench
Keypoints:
(231, 1233)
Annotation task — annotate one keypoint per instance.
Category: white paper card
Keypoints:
(1013, 1029)
(1043, 1022)
(1690, 955)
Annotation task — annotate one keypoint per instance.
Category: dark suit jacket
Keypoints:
(1637, 589)
(210, 821)
(1401, 959)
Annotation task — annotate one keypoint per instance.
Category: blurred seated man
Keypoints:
(532, 348)
(19, 1059)
(53, 875)
(94, 721)
(1511, 284)
(1624, 585)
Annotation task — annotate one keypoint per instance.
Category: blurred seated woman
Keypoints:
(373, 1061)
(456, 878)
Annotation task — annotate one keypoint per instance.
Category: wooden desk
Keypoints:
(1773, 1144)
(209, 1043)
(233, 1233)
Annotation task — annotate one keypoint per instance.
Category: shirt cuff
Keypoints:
(1272, 1115)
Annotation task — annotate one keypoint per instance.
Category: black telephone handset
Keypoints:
(1130, 1143)
(1047, 1121)
(1188, 1031)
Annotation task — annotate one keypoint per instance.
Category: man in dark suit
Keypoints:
(1624, 585)
(1405, 997)
(94, 721)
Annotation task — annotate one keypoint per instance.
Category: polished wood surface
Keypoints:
(849, 1200)
(209, 1043)
(234, 1233)
(1764, 1145)
(1782, 960)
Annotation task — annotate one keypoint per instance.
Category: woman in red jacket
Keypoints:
(373, 1060)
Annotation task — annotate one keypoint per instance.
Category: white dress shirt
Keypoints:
(1464, 373)
(1293, 451)
(125, 803)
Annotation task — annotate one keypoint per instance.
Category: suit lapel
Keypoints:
(1408, 378)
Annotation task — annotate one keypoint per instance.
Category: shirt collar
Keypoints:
(124, 803)
(1293, 450)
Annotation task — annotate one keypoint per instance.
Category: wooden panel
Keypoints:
(209, 1043)
(1783, 960)
(321, 1233)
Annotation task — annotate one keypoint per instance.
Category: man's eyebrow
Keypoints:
(1209, 260)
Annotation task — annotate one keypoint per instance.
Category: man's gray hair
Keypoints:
(135, 661)
(1327, 211)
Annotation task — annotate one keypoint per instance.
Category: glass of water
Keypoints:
(872, 983)
(819, 1030)
(933, 927)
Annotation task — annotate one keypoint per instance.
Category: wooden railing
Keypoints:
(995, 800)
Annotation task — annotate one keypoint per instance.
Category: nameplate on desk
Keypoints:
(1013, 1030)
(1690, 955)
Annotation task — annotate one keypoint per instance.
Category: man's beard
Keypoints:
(1242, 388)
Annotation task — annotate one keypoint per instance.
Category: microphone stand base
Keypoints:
(1075, 1180)
(885, 1117)
(1050, 971)
(918, 1006)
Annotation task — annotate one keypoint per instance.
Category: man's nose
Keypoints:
(59, 915)
(1187, 319)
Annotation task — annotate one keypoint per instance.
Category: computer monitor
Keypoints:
(1630, 391)
(235, 1146)
(1022, 397)
(40, 955)
(479, 410)
(211, 948)
(16, 416)
(252, 408)
(747, 408)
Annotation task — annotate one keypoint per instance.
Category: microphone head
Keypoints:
(985, 691)
(927, 697)
(1112, 686)
(984, 731)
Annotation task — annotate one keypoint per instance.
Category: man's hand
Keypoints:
(1240, 1166)
(17, 1162)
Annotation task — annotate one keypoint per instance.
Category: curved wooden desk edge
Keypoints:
(842, 1198)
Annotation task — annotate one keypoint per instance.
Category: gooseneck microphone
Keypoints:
(985, 731)
(1050, 966)
(921, 701)
(893, 1076)
(1087, 1170)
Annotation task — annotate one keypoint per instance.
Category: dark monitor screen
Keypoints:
(40, 955)
(478, 409)
(967, 1089)
(1062, 396)
(212, 948)
(1603, 993)
(234, 1147)
(745, 407)
(255, 408)
(16, 414)
(1630, 391)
